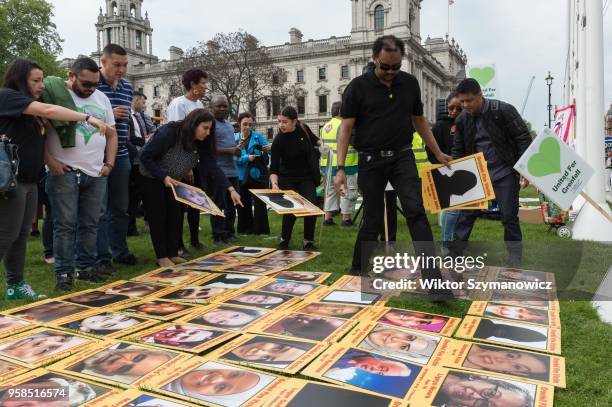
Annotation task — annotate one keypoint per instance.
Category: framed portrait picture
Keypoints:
(229, 281)
(139, 398)
(344, 311)
(269, 352)
(306, 276)
(416, 320)
(10, 369)
(119, 363)
(11, 325)
(248, 251)
(196, 198)
(170, 276)
(183, 337)
(105, 324)
(290, 287)
(60, 389)
(197, 294)
(282, 202)
(156, 309)
(96, 298)
(262, 299)
(135, 289)
(303, 326)
(47, 311)
(224, 316)
(515, 313)
(40, 346)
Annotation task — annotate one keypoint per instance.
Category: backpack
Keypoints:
(9, 165)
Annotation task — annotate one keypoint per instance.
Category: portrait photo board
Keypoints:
(435, 323)
(150, 309)
(344, 311)
(96, 298)
(196, 198)
(310, 350)
(170, 276)
(93, 324)
(515, 313)
(262, 300)
(306, 276)
(287, 202)
(516, 334)
(9, 369)
(46, 311)
(11, 325)
(478, 357)
(137, 398)
(135, 289)
(197, 294)
(249, 316)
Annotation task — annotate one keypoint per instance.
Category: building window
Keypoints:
(268, 108)
(132, 10)
(322, 74)
(156, 91)
(109, 36)
(323, 104)
(138, 40)
(301, 105)
(300, 76)
(379, 18)
(275, 79)
(157, 113)
(276, 105)
(141, 90)
(344, 72)
(114, 7)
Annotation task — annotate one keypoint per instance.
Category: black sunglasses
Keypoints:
(387, 67)
(88, 84)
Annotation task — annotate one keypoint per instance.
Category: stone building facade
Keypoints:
(320, 69)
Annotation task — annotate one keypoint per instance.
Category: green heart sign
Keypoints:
(547, 160)
(483, 75)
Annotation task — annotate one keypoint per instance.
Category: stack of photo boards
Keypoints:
(465, 184)
(238, 328)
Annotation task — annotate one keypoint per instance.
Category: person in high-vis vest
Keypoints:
(333, 201)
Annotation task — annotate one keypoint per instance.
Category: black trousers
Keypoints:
(401, 171)
(164, 216)
(306, 188)
(193, 215)
(223, 228)
(135, 196)
(253, 217)
(507, 195)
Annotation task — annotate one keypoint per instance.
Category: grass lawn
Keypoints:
(586, 340)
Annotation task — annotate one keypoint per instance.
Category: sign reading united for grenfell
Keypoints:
(554, 168)
(486, 76)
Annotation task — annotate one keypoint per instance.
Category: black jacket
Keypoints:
(508, 132)
(444, 135)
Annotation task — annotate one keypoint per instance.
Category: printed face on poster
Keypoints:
(554, 168)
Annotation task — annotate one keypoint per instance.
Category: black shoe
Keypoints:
(355, 271)
(130, 260)
(96, 275)
(347, 223)
(309, 246)
(283, 245)
(133, 233)
(229, 239)
(220, 243)
(63, 282)
(35, 233)
(197, 245)
(104, 268)
(329, 222)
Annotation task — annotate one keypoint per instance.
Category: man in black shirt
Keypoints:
(384, 107)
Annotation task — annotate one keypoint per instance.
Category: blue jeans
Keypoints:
(112, 231)
(448, 220)
(76, 201)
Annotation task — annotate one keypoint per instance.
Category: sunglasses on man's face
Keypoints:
(387, 67)
(87, 84)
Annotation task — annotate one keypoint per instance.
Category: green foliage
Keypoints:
(28, 32)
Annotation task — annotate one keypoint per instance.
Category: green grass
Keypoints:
(586, 340)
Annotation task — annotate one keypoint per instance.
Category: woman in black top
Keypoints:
(292, 167)
(170, 155)
(20, 121)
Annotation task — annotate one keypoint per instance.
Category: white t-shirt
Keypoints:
(180, 107)
(88, 153)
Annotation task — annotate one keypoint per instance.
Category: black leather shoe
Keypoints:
(63, 282)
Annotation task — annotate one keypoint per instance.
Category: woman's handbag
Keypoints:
(9, 165)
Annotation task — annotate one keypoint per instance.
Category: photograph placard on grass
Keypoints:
(232, 281)
(12, 326)
(501, 361)
(135, 289)
(10, 369)
(139, 398)
(331, 295)
(156, 309)
(306, 276)
(170, 276)
(416, 320)
(120, 364)
(263, 300)
(367, 371)
(287, 202)
(515, 313)
(344, 311)
(296, 255)
(304, 393)
(303, 326)
(196, 198)
(248, 251)
(64, 390)
(105, 324)
(401, 343)
(269, 352)
(442, 387)
(224, 316)
(295, 288)
(212, 262)
(47, 311)
(41, 346)
(510, 333)
(212, 383)
(254, 269)
(196, 294)
(96, 298)
(182, 337)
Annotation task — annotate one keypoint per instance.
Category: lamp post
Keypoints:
(549, 80)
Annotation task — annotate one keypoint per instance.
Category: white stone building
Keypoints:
(321, 69)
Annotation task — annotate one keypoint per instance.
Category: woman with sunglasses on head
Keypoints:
(20, 122)
(167, 158)
(444, 133)
(294, 166)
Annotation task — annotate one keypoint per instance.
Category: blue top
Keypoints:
(224, 132)
(120, 96)
(255, 139)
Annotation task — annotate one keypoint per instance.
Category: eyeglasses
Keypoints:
(88, 84)
(387, 67)
(454, 108)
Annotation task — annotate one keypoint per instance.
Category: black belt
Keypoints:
(384, 153)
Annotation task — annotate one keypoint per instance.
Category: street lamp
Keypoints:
(549, 80)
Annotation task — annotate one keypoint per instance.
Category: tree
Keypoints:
(238, 67)
(28, 32)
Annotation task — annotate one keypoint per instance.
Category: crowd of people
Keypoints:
(97, 161)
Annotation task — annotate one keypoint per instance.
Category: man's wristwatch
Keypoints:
(340, 167)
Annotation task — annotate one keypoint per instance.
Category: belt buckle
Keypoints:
(387, 153)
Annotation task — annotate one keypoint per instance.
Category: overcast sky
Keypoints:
(523, 38)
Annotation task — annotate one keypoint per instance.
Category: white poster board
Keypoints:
(486, 75)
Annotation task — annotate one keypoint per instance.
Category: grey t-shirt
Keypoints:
(497, 168)
(224, 133)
